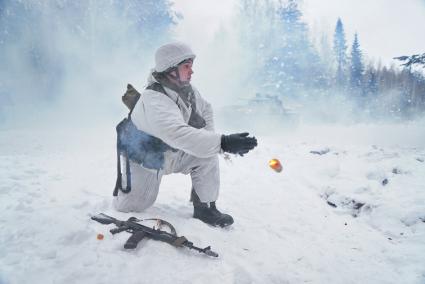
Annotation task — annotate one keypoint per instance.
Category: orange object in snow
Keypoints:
(275, 165)
(99, 237)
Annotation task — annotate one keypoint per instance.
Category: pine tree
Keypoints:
(416, 59)
(371, 83)
(257, 28)
(356, 66)
(340, 50)
(295, 64)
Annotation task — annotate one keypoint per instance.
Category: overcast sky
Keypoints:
(386, 28)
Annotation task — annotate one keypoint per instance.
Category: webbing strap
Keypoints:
(118, 184)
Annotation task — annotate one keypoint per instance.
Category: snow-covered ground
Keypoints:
(354, 214)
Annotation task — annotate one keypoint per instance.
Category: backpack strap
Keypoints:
(118, 184)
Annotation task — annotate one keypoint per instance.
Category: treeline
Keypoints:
(379, 90)
(290, 65)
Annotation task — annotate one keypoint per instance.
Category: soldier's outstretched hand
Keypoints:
(238, 143)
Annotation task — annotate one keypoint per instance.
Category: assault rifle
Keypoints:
(139, 231)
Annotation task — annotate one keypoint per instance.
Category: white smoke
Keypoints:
(69, 62)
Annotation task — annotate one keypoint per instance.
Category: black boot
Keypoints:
(208, 212)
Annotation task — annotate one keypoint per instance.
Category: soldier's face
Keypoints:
(185, 71)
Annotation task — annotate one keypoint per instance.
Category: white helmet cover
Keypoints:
(171, 54)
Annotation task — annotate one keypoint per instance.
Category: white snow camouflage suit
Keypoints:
(166, 117)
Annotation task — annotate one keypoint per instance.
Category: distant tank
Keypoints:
(263, 112)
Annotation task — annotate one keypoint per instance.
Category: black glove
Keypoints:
(238, 143)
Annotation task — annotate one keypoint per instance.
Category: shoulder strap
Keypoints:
(155, 86)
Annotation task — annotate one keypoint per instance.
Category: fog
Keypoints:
(67, 63)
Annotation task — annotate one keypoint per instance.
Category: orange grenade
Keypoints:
(275, 165)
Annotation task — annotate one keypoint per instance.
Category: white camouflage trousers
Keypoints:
(145, 183)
